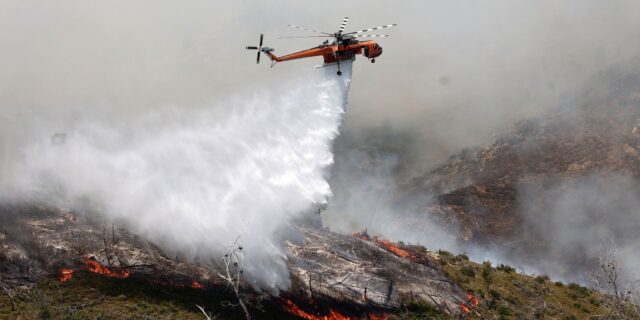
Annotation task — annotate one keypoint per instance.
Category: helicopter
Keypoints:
(344, 47)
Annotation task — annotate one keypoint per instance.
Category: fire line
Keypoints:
(65, 275)
(96, 267)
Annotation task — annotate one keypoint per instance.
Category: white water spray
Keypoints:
(195, 182)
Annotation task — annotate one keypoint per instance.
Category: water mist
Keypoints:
(194, 182)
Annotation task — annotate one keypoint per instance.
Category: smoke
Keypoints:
(194, 181)
(365, 181)
(468, 71)
(571, 220)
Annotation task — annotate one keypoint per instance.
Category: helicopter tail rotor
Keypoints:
(259, 48)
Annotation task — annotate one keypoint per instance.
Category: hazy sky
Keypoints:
(455, 70)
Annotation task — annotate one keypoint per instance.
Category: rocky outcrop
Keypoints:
(362, 271)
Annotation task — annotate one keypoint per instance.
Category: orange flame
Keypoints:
(96, 267)
(464, 308)
(196, 285)
(395, 249)
(388, 245)
(65, 275)
(168, 283)
(473, 300)
(293, 309)
(334, 315)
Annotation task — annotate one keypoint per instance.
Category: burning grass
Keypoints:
(92, 290)
(96, 267)
(293, 309)
(391, 247)
(508, 294)
(469, 305)
(93, 266)
(88, 295)
(65, 275)
(407, 252)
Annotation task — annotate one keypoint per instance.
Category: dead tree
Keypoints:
(607, 278)
(233, 268)
(110, 245)
(207, 315)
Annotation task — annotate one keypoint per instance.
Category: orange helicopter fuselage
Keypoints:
(334, 52)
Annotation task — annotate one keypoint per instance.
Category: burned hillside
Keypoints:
(551, 190)
(355, 272)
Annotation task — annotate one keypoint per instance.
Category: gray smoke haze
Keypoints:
(452, 71)
(366, 194)
(573, 219)
(512, 60)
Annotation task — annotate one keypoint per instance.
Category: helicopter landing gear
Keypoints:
(373, 60)
(339, 73)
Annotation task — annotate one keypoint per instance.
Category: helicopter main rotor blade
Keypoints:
(344, 24)
(297, 37)
(258, 57)
(261, 37)
(371, 29)
(307, 29)
(370, 36)
(252, 48)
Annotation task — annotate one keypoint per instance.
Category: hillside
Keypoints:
(492, 292)
(549, 191)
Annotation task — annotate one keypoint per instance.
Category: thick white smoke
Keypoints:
(196, 181)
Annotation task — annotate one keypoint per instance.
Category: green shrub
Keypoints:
(594, 302)
(487, 271)
(468, 271)
(542, 278)
(504, 310)
(506, 268)
(462, 256)
(580, 290)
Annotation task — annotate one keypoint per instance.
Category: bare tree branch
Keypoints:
(234, 262)
(608, 279)
(207, 316)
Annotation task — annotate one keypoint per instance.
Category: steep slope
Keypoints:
(334, 276)
(544, 186)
